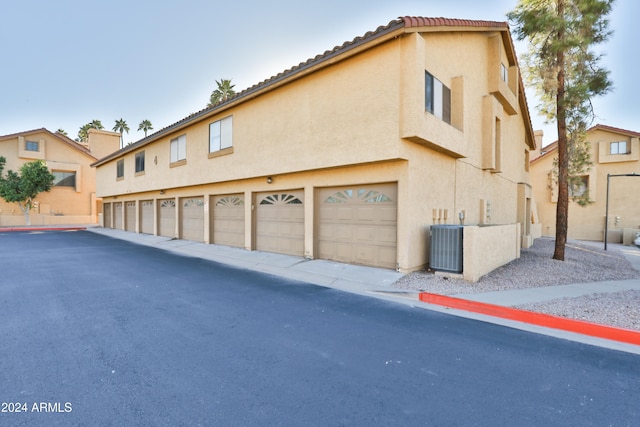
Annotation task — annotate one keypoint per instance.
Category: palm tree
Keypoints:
(222, 93)
(96, 124)
(121, 126)
(83, 133)
(145, 126)
(62, 132)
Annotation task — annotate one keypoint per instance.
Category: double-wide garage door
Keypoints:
(358, 224)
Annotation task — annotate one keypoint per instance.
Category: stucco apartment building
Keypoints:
(350, 156)
(614, 151)
(72, 200)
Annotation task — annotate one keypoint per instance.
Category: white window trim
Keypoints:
(178, 149)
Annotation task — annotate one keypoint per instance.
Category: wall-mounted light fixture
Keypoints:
(161, 191)
(155, 160)
(269, 180)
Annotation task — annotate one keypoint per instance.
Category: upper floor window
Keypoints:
(579, 186)
(120, 169)
(32, 146)
(179, 148)
(437, 98)
(619, 147)
(221, 134)
(64, 179)
(504, 73)
(140, 162)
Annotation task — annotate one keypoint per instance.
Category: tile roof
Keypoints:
(391, 28)
(63, 138)
(416, 21)
(553, 147)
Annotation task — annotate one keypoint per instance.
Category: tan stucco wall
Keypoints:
(487, 248)
(61, 204)
(361, 120)
(587, 223)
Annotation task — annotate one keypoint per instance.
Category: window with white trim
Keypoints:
(437, 98)
(618, 147)
(179, 148)
(221, 134)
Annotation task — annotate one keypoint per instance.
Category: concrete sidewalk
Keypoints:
(346, 277)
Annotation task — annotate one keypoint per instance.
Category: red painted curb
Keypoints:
(562, 323)
(10, 229)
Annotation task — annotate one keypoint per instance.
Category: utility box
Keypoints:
(446, 248)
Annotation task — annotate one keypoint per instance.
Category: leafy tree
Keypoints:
(62, 132)
(83, 133)
(22, 188)
(567, 74)
(145, 126)
(121, 126)
(222, 93)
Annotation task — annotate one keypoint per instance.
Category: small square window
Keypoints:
(579, 186)
(120, 168)
(32, 146)
(140, 162)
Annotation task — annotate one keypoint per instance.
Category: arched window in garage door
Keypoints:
(358, 224)
(280, 222)
(281, 199)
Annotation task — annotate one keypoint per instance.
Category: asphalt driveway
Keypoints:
(97, 331)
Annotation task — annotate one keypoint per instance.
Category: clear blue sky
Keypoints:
(67, 62)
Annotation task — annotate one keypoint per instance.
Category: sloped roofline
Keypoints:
(62, 138)
(553, 147)
(358, 44)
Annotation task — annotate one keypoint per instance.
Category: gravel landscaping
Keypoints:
(584, 263)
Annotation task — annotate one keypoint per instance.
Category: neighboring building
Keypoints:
(72, 200)
(613, 152)
(350, 156)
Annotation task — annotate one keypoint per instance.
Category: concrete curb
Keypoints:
(626, 336)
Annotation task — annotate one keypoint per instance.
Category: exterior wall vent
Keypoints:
(446, 248)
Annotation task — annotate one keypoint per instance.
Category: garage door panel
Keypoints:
(227, 220)
(106, 215)
(192, 219)
(358, 224)
(167, 218)
(117, 215)
(130, 216)
(280, 222)
(146, 216)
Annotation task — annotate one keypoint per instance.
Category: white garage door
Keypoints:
(358, 225)
(192, 219)
(146, 216)
(280, 222)
(130, 216)
(117, 215)
(227, 220)
(167, 218)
